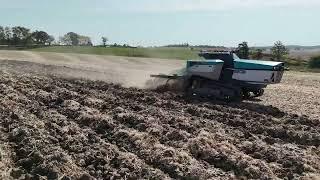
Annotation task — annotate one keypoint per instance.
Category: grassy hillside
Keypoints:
(166, 53)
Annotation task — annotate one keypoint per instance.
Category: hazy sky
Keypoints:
(159, 22)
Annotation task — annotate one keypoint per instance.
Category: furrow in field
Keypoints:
(100, 158)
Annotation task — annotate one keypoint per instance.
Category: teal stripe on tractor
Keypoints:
(239, 63)
(255, 64)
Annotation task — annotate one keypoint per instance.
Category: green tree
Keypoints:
(40, 37)
(279, 50)
(74, 37)
(243, 50)
(20, 35)
(7, 35)
(104, 41)
(70, 38)
(65, 40)
(258, 54)
(84, 41)
(2, 37)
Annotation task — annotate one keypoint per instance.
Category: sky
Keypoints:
(162, 22)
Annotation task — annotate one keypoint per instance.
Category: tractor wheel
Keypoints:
(246, 94)
(191, 86)
(187, 84)
(226, 98)
(195, 84)
(258, 93)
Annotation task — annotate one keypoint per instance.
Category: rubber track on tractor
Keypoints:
(203, 87)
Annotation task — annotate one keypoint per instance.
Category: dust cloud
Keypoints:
(127, 71)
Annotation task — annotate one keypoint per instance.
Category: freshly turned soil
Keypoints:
(64, 128)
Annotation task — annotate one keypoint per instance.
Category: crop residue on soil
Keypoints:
(65, 128)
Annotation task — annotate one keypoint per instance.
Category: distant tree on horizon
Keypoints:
(243, 50)
(40, 37)
(279, 50)
(22, 36)
(74, 39)
(104, 41)
(258, 54)
(84, 41)
(65, 40)
(178, 45)
(2, 35)
(7, 35)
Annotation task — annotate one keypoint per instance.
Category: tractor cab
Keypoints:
(227, 57)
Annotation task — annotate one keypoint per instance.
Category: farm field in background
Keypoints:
(165, 53)
(297, 59)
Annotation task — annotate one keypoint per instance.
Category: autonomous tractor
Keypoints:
(223, 75)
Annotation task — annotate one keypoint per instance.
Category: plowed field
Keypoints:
(56, 126)
(63, 128)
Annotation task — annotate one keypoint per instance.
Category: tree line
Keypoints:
(278, 51)
(22, 36)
